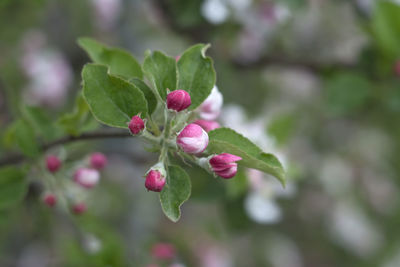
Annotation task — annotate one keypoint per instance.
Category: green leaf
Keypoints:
(25, 138)
(196, 74)
(225, 140)
(13, 186)
(282, 127)
(40, 121)
(346, 93)
(161, 71)
(238, 186)
(385, 27)
(79, 120)
(175, 192)
(112, 100)
(119, 61)
(148, 94)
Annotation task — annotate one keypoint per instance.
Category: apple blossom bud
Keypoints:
(79, 208)
(224, 165)
(163, 251)
(50, 199)
(178, 100)
(86, 177)
(207, 125)
(155, 180)
(136, 125)
(397, 68)
(211, 107)
(192, 139)
(53, 163)
(98, 160)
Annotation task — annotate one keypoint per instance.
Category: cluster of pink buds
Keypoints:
(85, 177)
(193, 138)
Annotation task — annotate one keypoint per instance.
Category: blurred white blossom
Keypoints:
(49, 73)
(262, 209)
(106, 12)
(351, 228)
(215, 11)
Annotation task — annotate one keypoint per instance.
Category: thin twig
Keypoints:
(16, 158)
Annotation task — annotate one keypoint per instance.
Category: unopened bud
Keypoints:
(207, 125)
(163, 251)
(136, 125)
(397, 68)
(86, 177)
(211, 107)
(50, 199)
(178, 100)
(224, 165)
(79, 208)
(53, 163)
(192, 139)
(98, 160)
(155, 180)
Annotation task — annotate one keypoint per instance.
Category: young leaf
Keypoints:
(25, 138)
(225, 140)
(13, 186)
(385, 27)
(148, 94)
(113, 101)
(161, 71)
(119, 61)
(196, 74)
(79, 120)
(40, 121)
(176, 191)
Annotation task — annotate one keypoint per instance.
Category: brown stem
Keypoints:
(18, 157)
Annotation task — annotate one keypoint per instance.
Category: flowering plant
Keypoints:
(171, 103)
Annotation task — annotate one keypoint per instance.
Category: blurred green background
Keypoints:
(316, 82)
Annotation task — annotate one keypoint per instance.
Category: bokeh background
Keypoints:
(316, 82)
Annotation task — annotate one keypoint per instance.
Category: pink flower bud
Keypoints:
(136, 125)
(192, 139)
(155, 181)
(163, 251)
(87, 177)
(53, 163)
(79, 208)
(211, 107)
(224, 165)
(178, 100)
(98, 160)
(207, 125)
(397, 68)
(50, 199)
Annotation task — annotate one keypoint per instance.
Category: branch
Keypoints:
(18, 157)
(312, 66)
